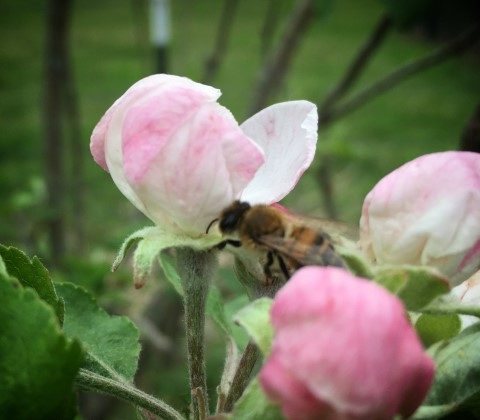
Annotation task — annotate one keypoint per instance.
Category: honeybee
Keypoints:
(285, 238)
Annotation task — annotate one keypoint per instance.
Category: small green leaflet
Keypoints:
(255, 318)
(32, 273)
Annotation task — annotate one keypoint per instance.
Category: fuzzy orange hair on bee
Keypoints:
(287, 238)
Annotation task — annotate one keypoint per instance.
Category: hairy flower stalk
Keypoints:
(195, 268)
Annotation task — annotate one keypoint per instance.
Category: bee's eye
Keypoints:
(229, 222)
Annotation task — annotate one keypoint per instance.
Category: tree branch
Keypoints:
(225, 25)
(470, 140)
(455, 47)
(273, 73)
(90, 381)
(269, 26)
(359, 63)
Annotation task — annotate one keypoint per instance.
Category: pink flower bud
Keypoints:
(427, 212)
(181, 158)
(343, 349)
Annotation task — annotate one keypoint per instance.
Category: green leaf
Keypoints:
(435, 328)
(457, 378)
(416, 286)
(111, 341)
(255, 318)
(37, 363)
(32, 273)
(431, 412)
(254, 405)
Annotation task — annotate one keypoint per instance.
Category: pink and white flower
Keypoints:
(427, 212)
(181, 158)
(343, 349)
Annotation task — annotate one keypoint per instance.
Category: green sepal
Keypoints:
(434, 328)
(151, 241)
(416, 286)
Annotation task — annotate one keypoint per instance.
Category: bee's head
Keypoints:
(232, 215)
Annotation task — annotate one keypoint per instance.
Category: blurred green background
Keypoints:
(111, 49)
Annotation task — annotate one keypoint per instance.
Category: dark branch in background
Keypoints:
(470, 140)
(359, 63)
(225, 25)
(58, 18)
(275, 69)
(77, 144)
(270, 24)
(330, 112)
(451, 49)
(324, 178)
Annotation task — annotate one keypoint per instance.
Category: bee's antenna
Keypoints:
(211, 223)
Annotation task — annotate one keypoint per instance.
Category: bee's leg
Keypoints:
(234, 243)
(283, 267)
(267, 267)
(231, 242)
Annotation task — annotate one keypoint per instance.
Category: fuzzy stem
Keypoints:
(90, 381)
(195, 269)
(242, 375)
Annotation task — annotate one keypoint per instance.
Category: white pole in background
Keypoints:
(160, 34)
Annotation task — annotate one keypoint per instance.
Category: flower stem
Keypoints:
(195, 269)
(242, 375)
(90, 381)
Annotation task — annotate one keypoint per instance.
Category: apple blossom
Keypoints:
(343, 349)
(427, 212)
(181, 158)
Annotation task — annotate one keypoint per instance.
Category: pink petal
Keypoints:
(287, 133)
(97, 140)
(296, 400)
(200, 170)
(107, 138)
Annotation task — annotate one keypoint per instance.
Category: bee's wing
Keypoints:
(335, 229)
(303, 254)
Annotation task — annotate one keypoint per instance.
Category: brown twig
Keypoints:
(212, 64)
(470, 140)
(276, 66)
(269, 26)
(359, 63)
(454, 47)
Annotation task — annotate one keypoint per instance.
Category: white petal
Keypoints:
(287, 133)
